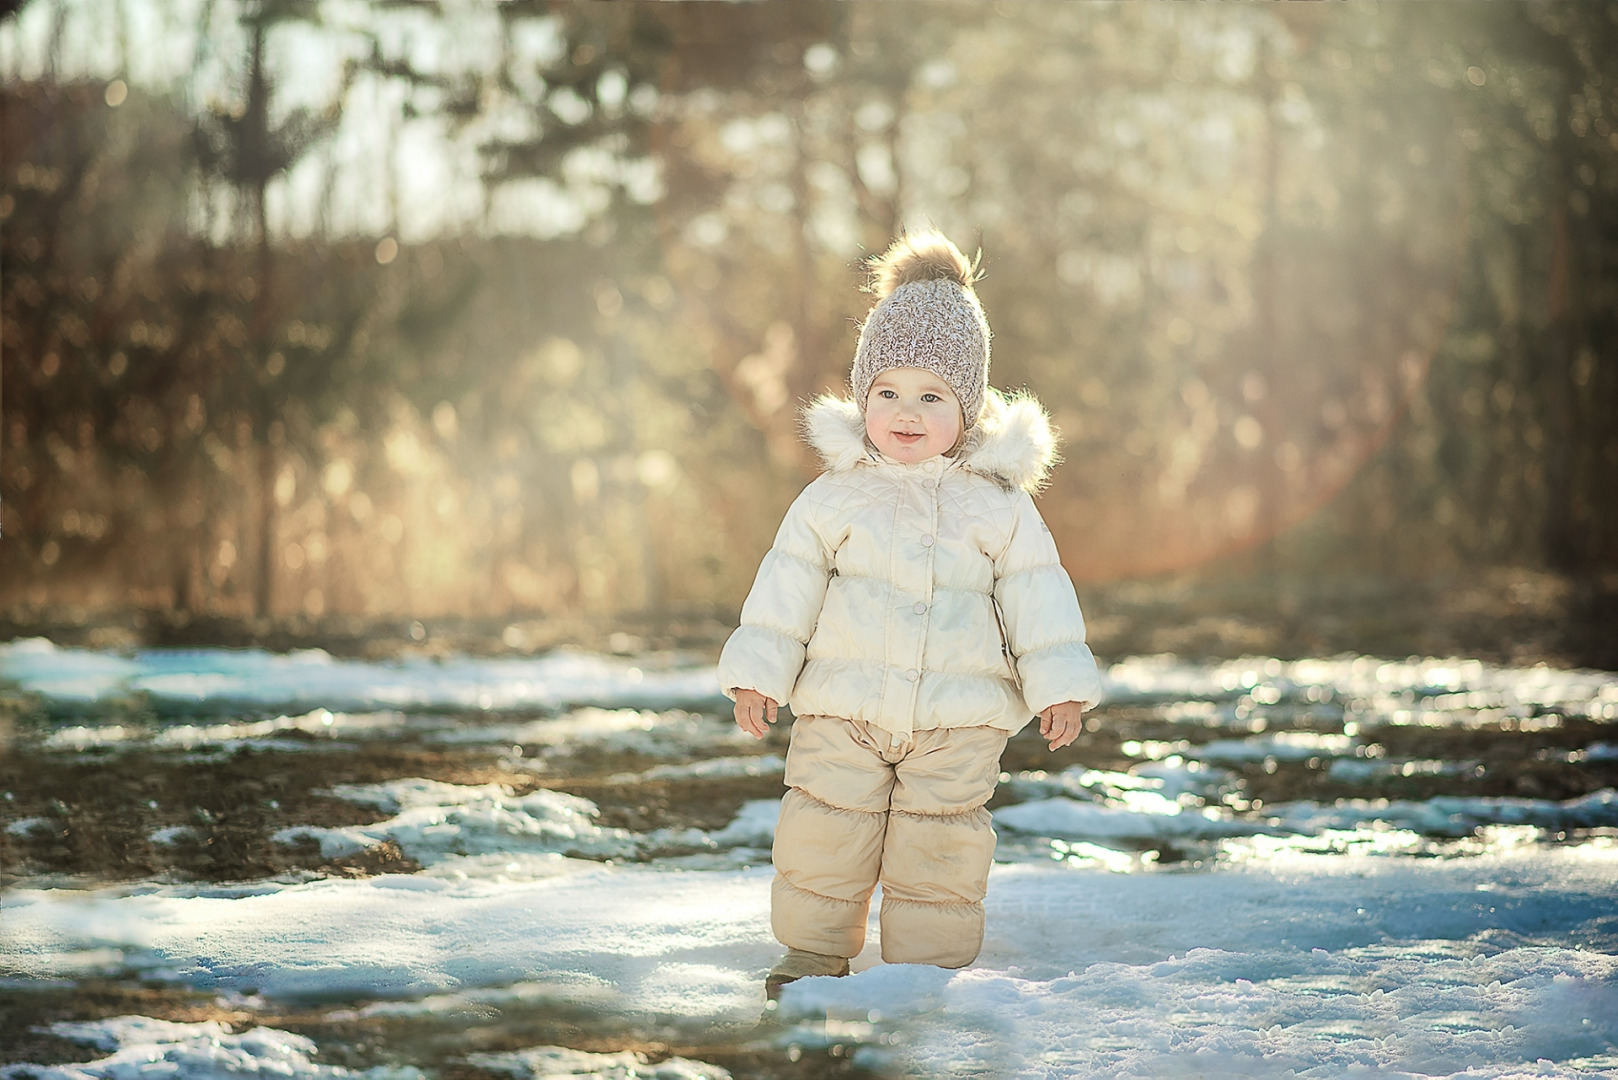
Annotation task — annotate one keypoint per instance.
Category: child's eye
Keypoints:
(887, 393)
(930, 397)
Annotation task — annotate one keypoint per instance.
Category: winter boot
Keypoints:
(799, 964)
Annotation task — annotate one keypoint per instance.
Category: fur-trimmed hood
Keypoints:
(1013, 443)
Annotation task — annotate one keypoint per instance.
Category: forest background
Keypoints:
(486, 325)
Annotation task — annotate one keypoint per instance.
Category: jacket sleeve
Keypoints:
(767, 650)
(1044, 626)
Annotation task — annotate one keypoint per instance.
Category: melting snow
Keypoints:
(221, 678)
(560, 1063)
(1315, 947)
(140, 1046)
(1303, 962)
(435, 823)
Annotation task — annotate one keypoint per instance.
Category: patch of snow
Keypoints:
(437, 824)
(689, 944)
(319, 722)
(435, 821)
(392, 796)
(551, 988)
(1171, 779)
(666, 733)
(1362, 770)
(81, 737)
(24, 826)
(335, 842)
(721, 768)
(1436, 1011)
(1144, 815)
(1281, 745)
(754, 825)
(77, 676)
(1175, 776)
(562, 1063)
(214, 679)
(1151, 818)
(139, 1046)
(1429, 691)
(323, 724)
(504, 867)
(1448, 815)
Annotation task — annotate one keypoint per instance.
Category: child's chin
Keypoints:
(909, 451)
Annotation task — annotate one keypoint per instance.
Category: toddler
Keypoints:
(915, 615)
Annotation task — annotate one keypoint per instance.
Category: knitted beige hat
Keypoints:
(926, 316)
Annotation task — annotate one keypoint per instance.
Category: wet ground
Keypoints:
(100, 809)
(132, 790)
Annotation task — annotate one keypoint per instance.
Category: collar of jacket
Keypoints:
(1013, 443)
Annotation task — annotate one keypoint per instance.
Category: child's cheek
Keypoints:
(873, 419)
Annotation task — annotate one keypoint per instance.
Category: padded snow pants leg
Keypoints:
(939, 846)
(861, 808)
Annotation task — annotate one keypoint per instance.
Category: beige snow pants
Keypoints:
(861, 809)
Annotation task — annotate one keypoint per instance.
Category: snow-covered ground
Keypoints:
(1445, 934)
(1409, 691)
(220, 679)
(1298, 965)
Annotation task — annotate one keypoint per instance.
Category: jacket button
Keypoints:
(912, 674)
(920, 608)
(932, 483)
(927, 541)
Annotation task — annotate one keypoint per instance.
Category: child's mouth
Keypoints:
(908, 437)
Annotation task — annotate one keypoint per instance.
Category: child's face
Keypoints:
(912, 415)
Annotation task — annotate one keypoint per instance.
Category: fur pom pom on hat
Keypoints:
(926, 316)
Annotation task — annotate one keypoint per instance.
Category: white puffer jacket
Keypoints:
(877, 600)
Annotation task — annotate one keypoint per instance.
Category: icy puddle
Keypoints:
(221, 864)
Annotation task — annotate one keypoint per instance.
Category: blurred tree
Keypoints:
(1507, 452)
(88, 332)
(239, 142)
(1340, 267)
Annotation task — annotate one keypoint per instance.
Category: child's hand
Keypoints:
(1060, 724)
(753, 709)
